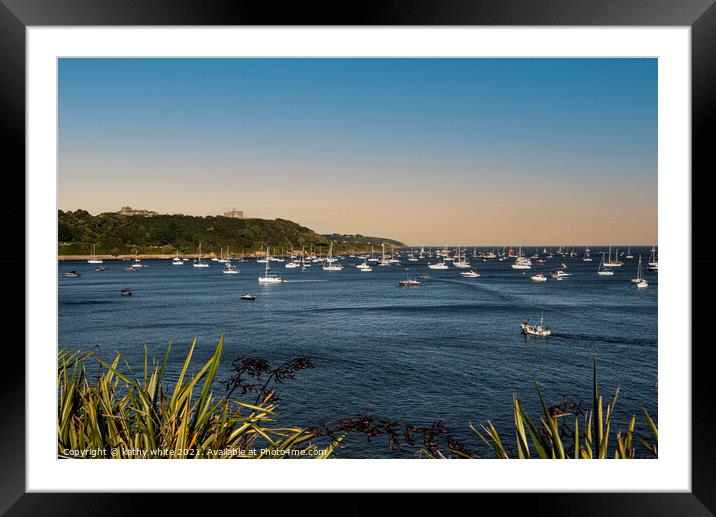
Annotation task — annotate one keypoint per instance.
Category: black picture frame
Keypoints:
(700, 15)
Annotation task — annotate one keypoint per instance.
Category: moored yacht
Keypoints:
(640, 282)
(269, 278)
(539, 277)
(197, 261)
(612, 263)
(94, 259)
(602, 270)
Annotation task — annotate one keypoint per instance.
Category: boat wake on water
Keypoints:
(476, 286)
(604, 339)
(303, 281)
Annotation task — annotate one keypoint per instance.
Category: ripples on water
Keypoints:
(450, 350)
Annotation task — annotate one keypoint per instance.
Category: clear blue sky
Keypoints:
(423, 150)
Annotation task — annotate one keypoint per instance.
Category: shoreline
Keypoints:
(64, 258)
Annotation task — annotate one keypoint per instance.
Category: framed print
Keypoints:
(421, 247)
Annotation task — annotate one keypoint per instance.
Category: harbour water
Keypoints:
(450, 350)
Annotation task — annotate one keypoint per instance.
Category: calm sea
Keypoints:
(450, 350)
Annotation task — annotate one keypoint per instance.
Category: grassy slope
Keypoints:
(116, 234)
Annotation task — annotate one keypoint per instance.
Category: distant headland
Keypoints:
(148, 233)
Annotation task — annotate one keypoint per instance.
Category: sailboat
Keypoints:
(94, 259)
(616, 262)
(653, 263)
(229, 268)
(384, 261)
(269, 278)
(628, 253)
(137, 262)
(197, 260)
(640, 282)
(460, 261)
(177, 261)
(587, 254)
(331, 262)
(603, 271)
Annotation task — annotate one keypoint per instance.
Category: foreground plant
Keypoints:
(121, 417)
(546, 440)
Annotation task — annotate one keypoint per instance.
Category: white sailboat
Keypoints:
(602, 270)
(94, 259)
(137, 263)
(384, 260)
(640, 282)
(197, 261)
(587, 254)
(653, 263)
(460, 261)
(177, 262)
(332, 263)
(612, 263)
(269, 278)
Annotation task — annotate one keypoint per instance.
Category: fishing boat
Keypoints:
(197, 261)
(94, 259)
(72, 274)
(410, 282)
(602, 270)
(269, 278)
(539, 277)
(536, 330)
(640, 282)
(248, 297)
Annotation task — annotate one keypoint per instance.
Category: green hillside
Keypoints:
(116, 234)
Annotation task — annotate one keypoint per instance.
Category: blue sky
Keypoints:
(423, 150)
